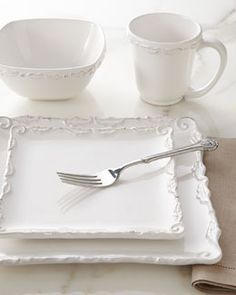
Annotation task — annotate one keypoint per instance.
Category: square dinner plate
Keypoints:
(144, 204)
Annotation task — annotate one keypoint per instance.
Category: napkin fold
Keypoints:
(221, 171)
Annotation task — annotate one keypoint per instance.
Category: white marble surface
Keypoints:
(113, 93)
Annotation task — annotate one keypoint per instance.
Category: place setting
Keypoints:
(147, 190)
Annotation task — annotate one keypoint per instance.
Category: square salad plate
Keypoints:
(200, 243)
(36, 204)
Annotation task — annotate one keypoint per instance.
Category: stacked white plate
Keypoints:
(158, 213)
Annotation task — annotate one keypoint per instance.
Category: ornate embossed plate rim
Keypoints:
(77, 126)
(212, 233)
(203, 193)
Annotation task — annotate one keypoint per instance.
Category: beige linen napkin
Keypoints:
(221, 171)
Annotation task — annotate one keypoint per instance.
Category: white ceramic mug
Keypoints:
(164, 48)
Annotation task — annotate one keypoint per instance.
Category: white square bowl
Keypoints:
(50, 58)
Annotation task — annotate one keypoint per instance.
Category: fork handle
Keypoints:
(206, 144)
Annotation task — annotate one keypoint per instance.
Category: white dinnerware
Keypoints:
(199, 245)
(50, 59)
(164, 46)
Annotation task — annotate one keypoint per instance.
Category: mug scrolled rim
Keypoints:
(146, 43)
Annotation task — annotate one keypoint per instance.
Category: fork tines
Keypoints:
(79, 179)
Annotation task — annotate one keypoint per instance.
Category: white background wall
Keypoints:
(111, 12)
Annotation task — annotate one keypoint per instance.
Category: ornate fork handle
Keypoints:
(108, 177)
(206, 144)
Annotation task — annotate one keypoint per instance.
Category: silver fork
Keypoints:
(109, 176)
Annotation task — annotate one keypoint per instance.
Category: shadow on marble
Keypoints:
(85, 103)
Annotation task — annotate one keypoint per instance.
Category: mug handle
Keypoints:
(220, 48)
